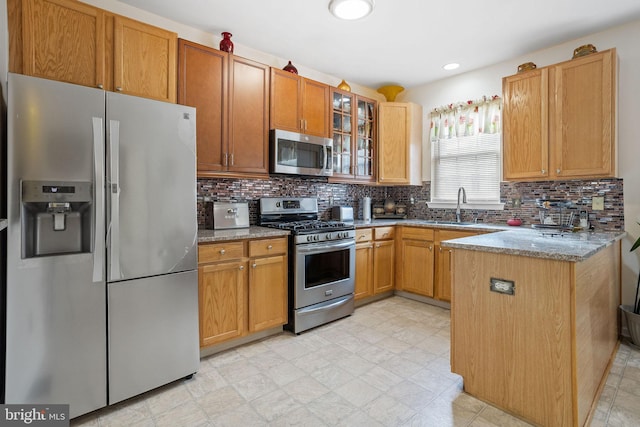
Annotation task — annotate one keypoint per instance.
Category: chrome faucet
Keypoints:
(464, 200)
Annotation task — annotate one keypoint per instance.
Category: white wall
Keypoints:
(488, 81)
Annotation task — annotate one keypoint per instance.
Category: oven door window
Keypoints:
(327, 267)
(300, 154)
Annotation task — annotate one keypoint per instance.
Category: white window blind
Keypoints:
(465, 152)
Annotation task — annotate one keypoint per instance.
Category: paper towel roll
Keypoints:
(366, 209)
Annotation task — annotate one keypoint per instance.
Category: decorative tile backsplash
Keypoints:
(580, 192)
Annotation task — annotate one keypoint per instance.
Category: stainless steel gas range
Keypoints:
(321, 261)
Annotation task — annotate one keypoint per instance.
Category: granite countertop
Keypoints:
(3, 224)
(534, 243)
(525, 241)
(253, 232)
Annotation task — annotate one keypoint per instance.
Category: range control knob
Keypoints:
(309, 238)
(328, 236)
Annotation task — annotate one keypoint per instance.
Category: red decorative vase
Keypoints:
(226, 45)
(290, 68)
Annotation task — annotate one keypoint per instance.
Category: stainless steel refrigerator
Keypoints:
(101, 290)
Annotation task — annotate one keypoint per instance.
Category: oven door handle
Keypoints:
(313, 248)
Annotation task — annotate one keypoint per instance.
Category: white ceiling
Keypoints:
(402, 42)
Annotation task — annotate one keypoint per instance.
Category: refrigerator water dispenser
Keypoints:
(56, 218)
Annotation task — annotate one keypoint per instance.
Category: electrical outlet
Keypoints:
(597, 203)
(330, 200)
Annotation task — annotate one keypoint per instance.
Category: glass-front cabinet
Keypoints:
(353, 132)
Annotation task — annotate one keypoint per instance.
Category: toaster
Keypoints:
(342, 213)
(230, 215)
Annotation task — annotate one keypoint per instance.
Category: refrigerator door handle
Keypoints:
(98, 167)
(114, 190)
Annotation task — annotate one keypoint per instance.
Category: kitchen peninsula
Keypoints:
(534, 320)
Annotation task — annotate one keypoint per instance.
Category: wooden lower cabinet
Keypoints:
(383, 259)
(364, 264)
(442, 277)
(242, 288)
(542, 352)
(416, 261)
(267, 284)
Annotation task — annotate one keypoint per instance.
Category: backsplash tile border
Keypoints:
(580, 192)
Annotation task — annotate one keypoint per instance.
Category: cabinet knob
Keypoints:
(254, 265)
(119, 89)
(440, 249)
(222, 252)
(543, 171)
(100, 86)
(269, 247)
(557, 170)
(378, 245)
(430, 248)
(241, 267)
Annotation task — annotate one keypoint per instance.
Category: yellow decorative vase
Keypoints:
(390, 91)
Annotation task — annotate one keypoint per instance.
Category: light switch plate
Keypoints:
(597, 203)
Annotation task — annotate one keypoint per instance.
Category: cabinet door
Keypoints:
(315, 108)
(221, 301)
(364, 270)
(399, 143)
(144, 60)
(63, 40)
(285, 106)
(417, 266)
(443, 274)
(365, 142)
(526, 125)
(383, 266)
(582, 115)
(202, 83)
(248, 116)
(267, 292)
(343, 105)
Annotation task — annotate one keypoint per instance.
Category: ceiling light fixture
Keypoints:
(451, 66)
(351, 9)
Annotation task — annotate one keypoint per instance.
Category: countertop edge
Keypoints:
(252, 232)
(4, 223)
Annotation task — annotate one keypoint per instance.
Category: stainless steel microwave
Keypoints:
(299, 154)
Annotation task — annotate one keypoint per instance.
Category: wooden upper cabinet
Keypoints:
(231, 95)
(144, 60)
(559, 121)
(299, 104)
(315, 107)
(202, 78)
(60, 40)
(353, 134)
(248, 116)
(583, 116)
(399, 143)
(73, 42)
(525, 137)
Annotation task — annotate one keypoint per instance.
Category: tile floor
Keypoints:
(386, 365)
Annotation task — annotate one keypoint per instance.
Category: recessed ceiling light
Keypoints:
(351, 9)
(451, 66)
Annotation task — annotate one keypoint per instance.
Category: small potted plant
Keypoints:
(632, 314)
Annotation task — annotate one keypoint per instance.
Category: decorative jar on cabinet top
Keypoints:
(226, 45)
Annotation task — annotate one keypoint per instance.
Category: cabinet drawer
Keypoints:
(220, 251)
(363, 235)
(383, 233)
(450, 234)
(417, 233)
(267, 247)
